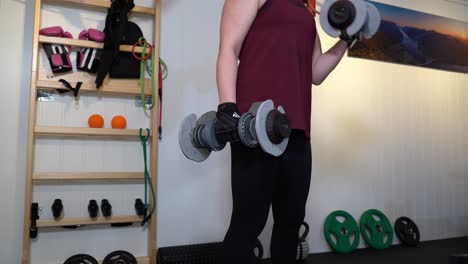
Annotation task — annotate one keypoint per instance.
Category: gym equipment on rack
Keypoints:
(57, 208)
(93, 208)
(34, 218)
(139, 207)
(106, 208)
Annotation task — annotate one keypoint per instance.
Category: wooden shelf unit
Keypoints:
(125, 87)
(88, 221)
(114, 87)
(50, 177)
(84, 43)
(103, 4)
(52, 131)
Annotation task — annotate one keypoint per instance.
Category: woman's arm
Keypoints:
(236, 19)
(325, 63)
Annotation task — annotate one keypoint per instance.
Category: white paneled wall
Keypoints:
(391, 137)
(384, 136)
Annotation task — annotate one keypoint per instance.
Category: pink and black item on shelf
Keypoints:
(57, 54)
(89, 59)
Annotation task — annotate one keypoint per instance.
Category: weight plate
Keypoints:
(81, 259)
(186, 140)
(119, 257)
(378, 234)
(407, 231)
(244, 130)
(373, 21)
(342, 236)
(261, 130)
(356, 25)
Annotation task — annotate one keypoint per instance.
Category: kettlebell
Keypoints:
(259, 247)
(302, 245)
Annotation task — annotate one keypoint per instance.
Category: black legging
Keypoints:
(258, 181)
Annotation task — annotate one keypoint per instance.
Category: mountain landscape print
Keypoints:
(415, 38)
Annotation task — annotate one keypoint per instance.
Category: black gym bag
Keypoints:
(119, 31)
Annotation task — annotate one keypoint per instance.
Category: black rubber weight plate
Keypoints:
(119, 257)
(407, 231)
(81, 259)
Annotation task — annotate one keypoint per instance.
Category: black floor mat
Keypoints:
(431, 252)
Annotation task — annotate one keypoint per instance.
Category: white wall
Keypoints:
(385, 136)
(14, 109)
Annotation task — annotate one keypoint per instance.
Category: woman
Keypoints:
(280, 58)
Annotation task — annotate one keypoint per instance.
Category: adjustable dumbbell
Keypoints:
(262, 125)
(353, 17)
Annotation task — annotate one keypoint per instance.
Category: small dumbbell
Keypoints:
(57, 208)
(140, 207)
(106, 208)
(93, 208)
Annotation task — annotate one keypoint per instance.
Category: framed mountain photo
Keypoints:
(419, 39)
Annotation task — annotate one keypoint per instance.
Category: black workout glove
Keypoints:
(227, 119)
(349, 39)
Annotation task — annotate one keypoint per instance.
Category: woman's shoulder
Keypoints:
(261, 3)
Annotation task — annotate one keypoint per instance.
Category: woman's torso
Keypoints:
(276, 60)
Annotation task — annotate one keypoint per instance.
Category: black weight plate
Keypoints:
(119, 257)
(81, 259)
(407, 231)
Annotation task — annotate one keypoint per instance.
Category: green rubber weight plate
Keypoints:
(341, 232)
(376, 229)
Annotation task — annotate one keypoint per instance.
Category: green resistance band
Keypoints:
(144, 140)
(146, 67)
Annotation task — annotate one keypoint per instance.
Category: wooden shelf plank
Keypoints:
(86, 176)
(84, 43)
(116, 87)
(88, 221)
(85, 132)
(102, 4)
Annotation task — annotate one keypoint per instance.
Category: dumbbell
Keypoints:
(262, 125)
(355, 17)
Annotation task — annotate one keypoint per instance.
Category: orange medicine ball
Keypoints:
(119, 122)
(96, 121)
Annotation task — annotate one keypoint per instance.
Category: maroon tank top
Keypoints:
(276, 60)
